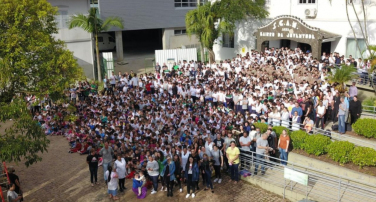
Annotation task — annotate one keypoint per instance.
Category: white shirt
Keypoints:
(113, 183)
(120, 168)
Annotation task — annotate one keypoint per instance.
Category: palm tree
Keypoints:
(93, 24)
(200, 22)
(342, 75)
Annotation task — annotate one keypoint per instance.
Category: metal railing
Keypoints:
(368, 111)
(322, 186)
(329, 133)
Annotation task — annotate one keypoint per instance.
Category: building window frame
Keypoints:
(178, 32)
(228, 40)
(185, 3)
(62, 19)
(307, 2)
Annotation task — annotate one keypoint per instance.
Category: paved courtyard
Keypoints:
(65, 177)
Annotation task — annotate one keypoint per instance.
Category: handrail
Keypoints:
(6, 171)
(294, 165)
(325, 180)
(2, 195)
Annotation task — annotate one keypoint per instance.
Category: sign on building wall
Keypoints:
(296, 176)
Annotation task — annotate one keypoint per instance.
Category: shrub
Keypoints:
(263, 127)
(297, 138)
(340, 151)
(316, 144)
(363, 156)
(278, 130)
(370, 102)
(365, 127)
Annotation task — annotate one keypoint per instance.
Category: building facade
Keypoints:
(77, 40)
(325, 16)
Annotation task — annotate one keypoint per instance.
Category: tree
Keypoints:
(211, 20)
(342, 75)
(31, 61)
(93, 24)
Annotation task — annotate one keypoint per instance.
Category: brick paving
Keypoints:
(65, 177)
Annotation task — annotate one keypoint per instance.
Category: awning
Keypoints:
(293, 28)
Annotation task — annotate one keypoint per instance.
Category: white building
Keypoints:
(325, 16)
(77, 40)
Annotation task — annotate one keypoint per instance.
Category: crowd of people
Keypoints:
(177, 126)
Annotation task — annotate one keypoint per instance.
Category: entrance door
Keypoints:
(325, 47)
(285, 43)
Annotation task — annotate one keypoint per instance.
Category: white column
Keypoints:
(119, 46)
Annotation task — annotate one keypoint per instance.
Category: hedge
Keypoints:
(263, 127)
(363, 156)
(297, 138)
(278, 130)
(340, 151)
(365, 127)
(316, 144)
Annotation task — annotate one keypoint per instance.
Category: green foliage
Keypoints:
(33, 60)
(71, 109)
(202, 21)
(24, 138)
(340, 151)
(263, 127)
(298, 138)
(371, 102)
(278, 130)
(93, 24)
(316, 144)
(363, 156)
(342, 75)
(365, 127)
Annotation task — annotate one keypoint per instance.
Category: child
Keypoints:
(139, 185)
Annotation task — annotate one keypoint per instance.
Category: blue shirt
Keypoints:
(297, 109)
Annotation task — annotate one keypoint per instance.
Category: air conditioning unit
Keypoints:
(311, 12)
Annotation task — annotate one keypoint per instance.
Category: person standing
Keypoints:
(178, 171)
(13, 178)
(227, 144)
(153, 170)
(191, 174)
(337, 101)
(112, 184)
(168, 174)
(353, 91)
(245, 143)
(217, 157)
(92, 160)
(321, 111)
(283, 146)
(233, 160)
(107, 153)
(355, 109)
(261, 149)
(120, 166)
(341, 116)
(206, 169)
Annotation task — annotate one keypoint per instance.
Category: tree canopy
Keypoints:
(211, 20)
(32, 61)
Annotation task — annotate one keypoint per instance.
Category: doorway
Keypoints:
(305, 47)
(325, 47)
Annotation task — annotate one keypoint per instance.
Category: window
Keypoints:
(185, 3)
(180, 31)
(228, 40)
(268, 2)
(307, 1)
(202, 2)
(100, 39)
(62, 19)
(352, 49)
(93, 1)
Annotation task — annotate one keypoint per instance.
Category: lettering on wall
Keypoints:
(287, 29)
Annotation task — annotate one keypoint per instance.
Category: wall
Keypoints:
(330, 17)
(78, 41)
(177, 41)
(145, 14)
